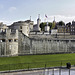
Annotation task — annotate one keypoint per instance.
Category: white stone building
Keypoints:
(22, 26)
(47, 28)
(8, 42)
(19, 38)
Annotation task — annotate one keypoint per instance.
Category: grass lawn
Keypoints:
(35, 61)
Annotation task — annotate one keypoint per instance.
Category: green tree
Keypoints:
(68, 24)
(61, 23)
(50, 24)
(42, 25)
(53, 25)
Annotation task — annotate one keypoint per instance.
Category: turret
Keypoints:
(38, 23)
(54, 23)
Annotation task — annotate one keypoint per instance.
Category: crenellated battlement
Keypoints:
(9, 33)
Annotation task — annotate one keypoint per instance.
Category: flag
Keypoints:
(46, 16)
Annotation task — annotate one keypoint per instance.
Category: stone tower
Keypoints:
(38, 22)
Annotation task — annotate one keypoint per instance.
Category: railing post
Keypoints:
(59, 71)
(28, 66)
(53, 71)
(14, 66)
(69, 71)
(61, 63)
(9, 67)
(45, 66)
(48, 72)
(44, 71)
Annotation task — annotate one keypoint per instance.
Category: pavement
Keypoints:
(37, 72)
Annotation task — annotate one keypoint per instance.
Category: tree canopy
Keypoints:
(68, 24)
(51, 25)
(42, 25)
(61, 23)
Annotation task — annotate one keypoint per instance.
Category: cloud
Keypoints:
(58, 18)
(12, 9)
(66, 19)
(6, 22)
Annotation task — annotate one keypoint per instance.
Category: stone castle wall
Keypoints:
(52, 46)
(45, 45)
(17, 44)
(23, 44)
